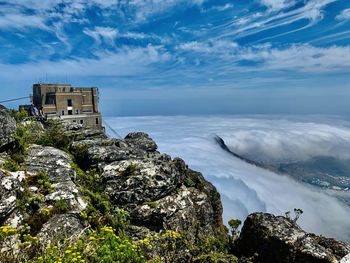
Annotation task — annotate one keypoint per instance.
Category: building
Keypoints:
(71, 104)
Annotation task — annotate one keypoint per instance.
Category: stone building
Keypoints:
(71, 104)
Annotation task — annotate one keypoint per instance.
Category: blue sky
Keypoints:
(160, 57)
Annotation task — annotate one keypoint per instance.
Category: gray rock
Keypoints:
(56, 163)
(61, 227)
(278, 239)
(136, 181)
(7, 128)
(9, 185)
(186, 209)
(69, 192)
(141, 140)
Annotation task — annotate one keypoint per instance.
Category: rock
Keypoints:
(186, 209)
(9, 185)
(69, 192)
(103, 151)
(60, 227)
(54, 162)
(278, 239)
(7, 128)
(141, 140)
(136, 181)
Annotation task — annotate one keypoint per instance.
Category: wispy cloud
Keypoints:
(344, 15)
(99, 34)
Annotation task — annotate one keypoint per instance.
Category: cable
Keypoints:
(114, 131)
(22, 98)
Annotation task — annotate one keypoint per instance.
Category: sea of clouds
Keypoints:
(245, 188)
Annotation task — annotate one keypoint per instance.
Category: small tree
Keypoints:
(234, 224)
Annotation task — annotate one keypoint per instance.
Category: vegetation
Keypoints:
(54, 136)
(19, 116)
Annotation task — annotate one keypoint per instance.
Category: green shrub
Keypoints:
(54, 136)
(11, 165)
(40, 180)
(60, 207)
(19, 115)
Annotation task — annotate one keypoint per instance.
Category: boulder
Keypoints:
(141, 140)
(59, 228)
(7, 128)
(186, 209)
(135, 181)
(54, 162)
(268, 238)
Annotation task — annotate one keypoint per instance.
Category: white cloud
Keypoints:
(304, 58)
(275, 5)
(20, 21)
(144, 9)
(252, 24)
(210, 47)
(299, 58)
(99, 34)
(344, 15)
(125, 61)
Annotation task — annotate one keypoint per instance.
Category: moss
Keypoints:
(130, 170)
(60, 207)
(152, 204)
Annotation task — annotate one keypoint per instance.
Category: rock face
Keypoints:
(7, 127)
(151, 186)
(269, 238)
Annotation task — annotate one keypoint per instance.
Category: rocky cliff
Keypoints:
(69, 194)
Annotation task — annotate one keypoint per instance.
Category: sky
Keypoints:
(178, 57)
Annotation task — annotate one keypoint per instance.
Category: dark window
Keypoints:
(70, 103)
(50, 98)
(96, 120)
(70, 112)
(74, 120)
(63, 112)
(81, 121)
(76, 111)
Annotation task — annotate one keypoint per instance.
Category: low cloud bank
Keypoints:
(246, 188)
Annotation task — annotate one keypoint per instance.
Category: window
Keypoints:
(76, 111)
(70, 103)
(81, 121)
(74, 121)
(50, 98)
(63, 112)
(97, 121)
(70, 112)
